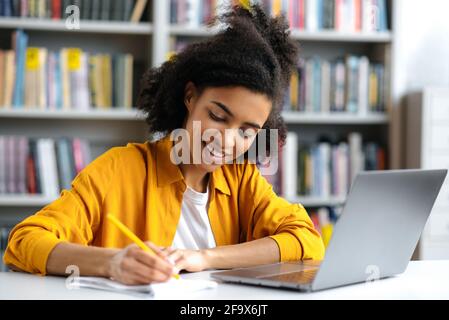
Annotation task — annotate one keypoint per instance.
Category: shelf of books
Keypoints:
(39, 168)
(23, 13)
(64, 100)
(337, 106)
(68, 78)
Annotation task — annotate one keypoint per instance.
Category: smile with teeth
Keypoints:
(214, 152)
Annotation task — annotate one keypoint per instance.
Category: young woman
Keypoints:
(197, 215)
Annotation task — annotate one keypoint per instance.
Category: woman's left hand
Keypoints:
(189, 260)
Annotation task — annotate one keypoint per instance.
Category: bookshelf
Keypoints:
(102, 128)
(149, 42)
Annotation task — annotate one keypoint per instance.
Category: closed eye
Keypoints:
(215, 117)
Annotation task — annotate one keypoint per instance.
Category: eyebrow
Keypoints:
(226, 109)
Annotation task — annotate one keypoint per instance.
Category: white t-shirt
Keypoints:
(194, 231)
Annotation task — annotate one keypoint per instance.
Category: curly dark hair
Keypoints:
(254, 51)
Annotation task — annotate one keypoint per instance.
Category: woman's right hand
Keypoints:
(133, 266)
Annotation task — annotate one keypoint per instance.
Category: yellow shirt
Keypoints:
(144, 189)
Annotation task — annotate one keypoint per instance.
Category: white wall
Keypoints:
(420, 54)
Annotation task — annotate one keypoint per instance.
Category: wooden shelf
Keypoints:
(94, 114)
(324, 35)
(86, 26)
(308, 201)
(295, 117)
(24, 200)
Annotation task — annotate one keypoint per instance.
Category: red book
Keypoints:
(301, 13)
(291, 14)
(24, 8)
(56, 9)
(31, 175)
(338, 9)
(381, 161)
(78, 155)
(358, 15)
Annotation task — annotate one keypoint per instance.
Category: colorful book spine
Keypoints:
(40, 166)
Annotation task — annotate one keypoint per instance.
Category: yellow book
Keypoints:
(138, 10)
(107, 81)
(42, 7)
(129, 61)
(65, 79)
(276, 7)
(32, 8)
(98, 67)
(373, 90)
(294, 83)
(32, 62)
(10, 78)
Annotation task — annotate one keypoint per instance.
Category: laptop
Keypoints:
(374, 238)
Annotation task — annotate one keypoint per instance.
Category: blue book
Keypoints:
(316, 171)
(21, 46)
(383, 26)
(64, 163)
(58, 79)
(127, 11)
(316, 84)
(15, 8)
(319, 10)
(352, 85)
(284, 7)
(7, 8)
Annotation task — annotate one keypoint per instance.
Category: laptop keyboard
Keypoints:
(300, 277)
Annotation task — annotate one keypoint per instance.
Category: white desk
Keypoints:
(422, 280)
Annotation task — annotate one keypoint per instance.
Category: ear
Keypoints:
(190, 95)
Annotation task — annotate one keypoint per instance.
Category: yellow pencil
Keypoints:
(133, 237)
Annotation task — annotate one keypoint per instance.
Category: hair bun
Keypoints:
(273, 30)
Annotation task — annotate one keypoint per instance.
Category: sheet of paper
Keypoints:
(171, 288)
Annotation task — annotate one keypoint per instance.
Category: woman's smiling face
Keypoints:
(222, 122)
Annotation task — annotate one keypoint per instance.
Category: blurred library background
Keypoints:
(370, 92)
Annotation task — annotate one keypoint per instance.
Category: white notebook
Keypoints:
(171, 288)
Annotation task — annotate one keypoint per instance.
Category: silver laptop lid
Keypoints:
(380, 226)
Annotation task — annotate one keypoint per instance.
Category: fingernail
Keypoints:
(176, 270)
(172, 262)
